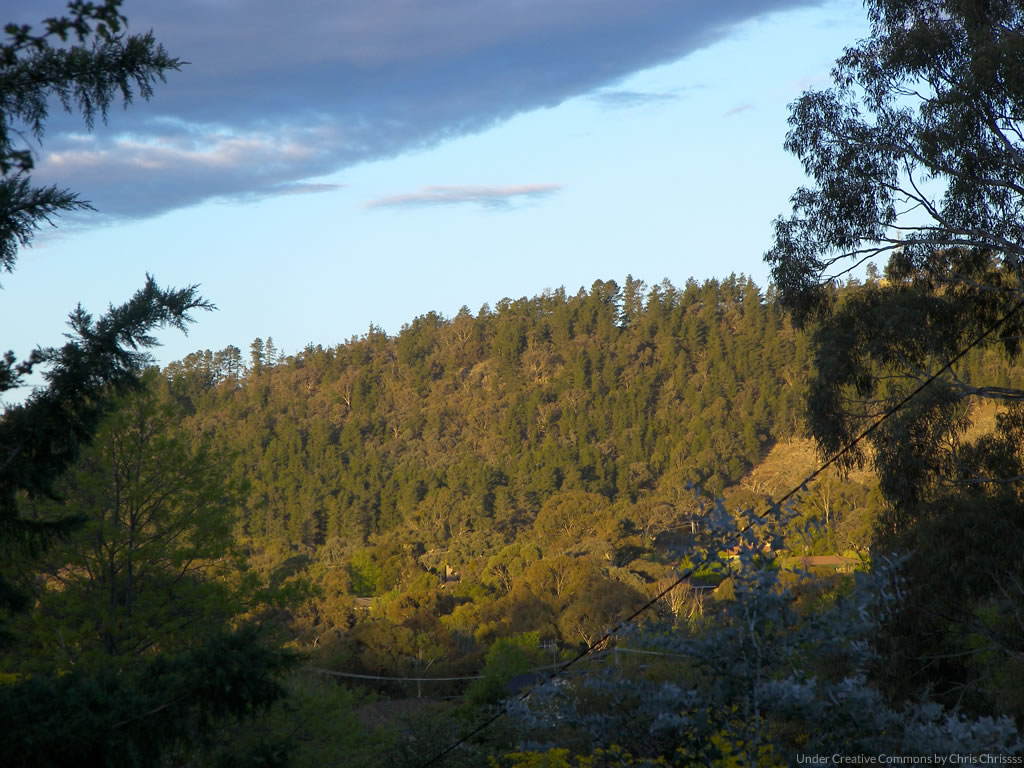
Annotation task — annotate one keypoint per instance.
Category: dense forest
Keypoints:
(634, 526)
(624, 394)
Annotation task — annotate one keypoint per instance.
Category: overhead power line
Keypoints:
(323, 671)
(335, 673)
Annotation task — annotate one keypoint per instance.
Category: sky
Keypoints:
(319, 166)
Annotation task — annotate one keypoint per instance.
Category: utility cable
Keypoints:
(556, 673)
(323, 671)
(336, 673)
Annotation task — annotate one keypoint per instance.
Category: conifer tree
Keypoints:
(257, 356)
(85, 61)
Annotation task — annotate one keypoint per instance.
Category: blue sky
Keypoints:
(320, 166)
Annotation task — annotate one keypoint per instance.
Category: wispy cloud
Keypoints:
(739, 110)
(279, 93)
(496, 197)
(631, 99)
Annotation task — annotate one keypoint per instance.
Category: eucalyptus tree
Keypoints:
(916, 155)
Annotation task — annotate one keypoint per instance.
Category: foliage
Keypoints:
(316, 724)
(453, 439)
(446, 493)
(40, 439)
(365, 574)
(957, 633)
(149, 569)
(101, 65)
(758, 683)
(506, 658)
(109, 719)
(917, 152)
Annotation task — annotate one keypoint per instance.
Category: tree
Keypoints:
(507, 657)
(270, 353)
(229, 362)
(133, 720)
(925, 114)
(257, 356)
(142, 574)
(569, 517)
(916, 152)
(40, 439)
(86, 62)
(653, 517)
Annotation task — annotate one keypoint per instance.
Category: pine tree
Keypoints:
(86, 62)
(40, 438)
(257, 356)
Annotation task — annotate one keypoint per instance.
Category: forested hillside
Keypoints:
(455, 499)
(460, 429)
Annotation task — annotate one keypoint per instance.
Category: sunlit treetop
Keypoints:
(916, 148)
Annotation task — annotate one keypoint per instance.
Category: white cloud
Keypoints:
(486, 196)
